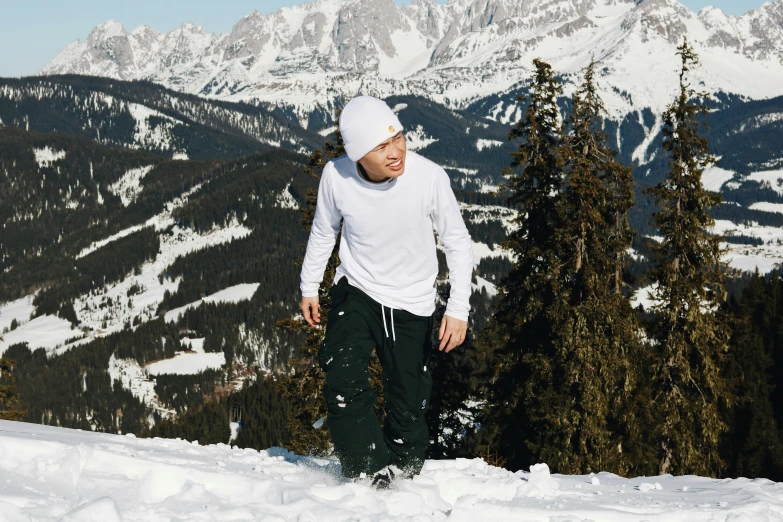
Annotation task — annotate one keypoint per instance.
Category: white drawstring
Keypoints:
(391, 312)
(384, 322)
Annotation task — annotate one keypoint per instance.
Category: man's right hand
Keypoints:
(310, 310)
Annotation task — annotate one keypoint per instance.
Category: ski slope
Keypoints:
(57, 474)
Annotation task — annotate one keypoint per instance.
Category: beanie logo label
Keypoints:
(391, 128)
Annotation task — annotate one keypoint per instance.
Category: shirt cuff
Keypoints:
(457, 315)
(309, 290)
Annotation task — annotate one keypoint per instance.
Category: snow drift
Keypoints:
(49, 474)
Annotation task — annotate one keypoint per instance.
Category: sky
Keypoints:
(32, 32)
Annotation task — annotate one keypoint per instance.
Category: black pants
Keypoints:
(355, 328)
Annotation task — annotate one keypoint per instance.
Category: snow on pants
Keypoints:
(355, 328)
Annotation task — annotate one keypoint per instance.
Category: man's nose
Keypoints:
(396, 150)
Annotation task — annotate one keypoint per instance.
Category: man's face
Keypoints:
(387, 160)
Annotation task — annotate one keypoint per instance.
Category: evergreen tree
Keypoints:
(9, 397)
(689, 332)
(517, 343)
(207, 424)
(589, 418)
(753, 446)
(261, 412)
(303, 390)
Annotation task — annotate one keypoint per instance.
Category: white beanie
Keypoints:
(365, 122)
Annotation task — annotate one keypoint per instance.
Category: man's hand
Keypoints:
(452, 332)
(310, 310)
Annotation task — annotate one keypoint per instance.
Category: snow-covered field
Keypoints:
(21, 309)
(715, 177)
(134, 379)
(769, 178)
(483, 283)
(765, 257)
(418, 139)
(487, 213)
(45, 331)
(150, 289)
(128, 187)
(482, 250)
(140, 380)
(57, 474)
(482, 144)
(767, 207)
(188, 363)
(232, 294)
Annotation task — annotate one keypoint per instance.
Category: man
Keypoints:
(383, 298)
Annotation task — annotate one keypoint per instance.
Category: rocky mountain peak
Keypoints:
(144, 31)
(664, 18)
(107, 30)
(190, 27)
(458, 51)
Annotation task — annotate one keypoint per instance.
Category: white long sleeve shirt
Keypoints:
(387, 247)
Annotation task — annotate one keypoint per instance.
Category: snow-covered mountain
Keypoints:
(314, 54)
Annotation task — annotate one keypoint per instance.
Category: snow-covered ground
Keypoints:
(232, 294)
(486, 188)
(482, 250)
(765, 257)
(286, 200)
(124, 304)
(767, 207)
(46, 156)
(769, 178)
(644, 297)
(482, 144)
(234, 427)
(748, 259)
(418, 139)
(486, 213)
(45, 331)
(136, 380)
(145, 134)
(21, 309)
(95, 245)
(159, 221)
(713, 178)
(128, 187)
(188, 363)
(57, 474)
(469, 172)
(483, 283)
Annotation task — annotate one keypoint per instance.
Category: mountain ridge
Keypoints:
(314, 55)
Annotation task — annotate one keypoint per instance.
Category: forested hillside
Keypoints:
(143, 115)
(98, 238)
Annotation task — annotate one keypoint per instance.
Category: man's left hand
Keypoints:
(452, 333)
